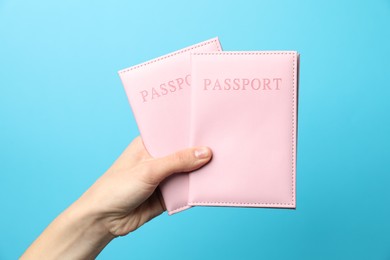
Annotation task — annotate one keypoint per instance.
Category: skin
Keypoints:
(119, 202)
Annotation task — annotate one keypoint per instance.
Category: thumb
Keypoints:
(182, 161)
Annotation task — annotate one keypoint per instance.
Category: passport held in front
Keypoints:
(244, 106)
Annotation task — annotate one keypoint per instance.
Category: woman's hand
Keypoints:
(119, 202)
(125, 197)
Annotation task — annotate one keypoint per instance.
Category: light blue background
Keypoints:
(64, 118)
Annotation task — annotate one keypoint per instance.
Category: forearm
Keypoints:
(77, 233)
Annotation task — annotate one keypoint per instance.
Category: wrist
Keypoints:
(85, 229)
(88, 220)
(77, 233)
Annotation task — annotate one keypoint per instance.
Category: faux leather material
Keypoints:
(244, 106)
(159, 95)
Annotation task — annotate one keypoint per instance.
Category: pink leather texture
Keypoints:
(244, 106)
(159, 95)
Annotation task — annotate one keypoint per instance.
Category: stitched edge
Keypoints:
(246, 53)
(170, 212)
(215, 40)
(293, 171)
(292, 203)
(239, 203)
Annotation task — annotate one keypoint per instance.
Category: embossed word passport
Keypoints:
(159, 95)
(244, 106)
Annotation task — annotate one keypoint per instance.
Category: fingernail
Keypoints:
(202, 153)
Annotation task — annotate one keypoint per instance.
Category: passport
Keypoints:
(244, 107)
(159, 95)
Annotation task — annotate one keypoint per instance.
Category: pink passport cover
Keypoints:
(244, 106)
(159, 95)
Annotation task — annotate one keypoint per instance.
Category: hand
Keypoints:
(125, 197)
(119, 202)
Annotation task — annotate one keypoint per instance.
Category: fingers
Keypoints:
(182, 161)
